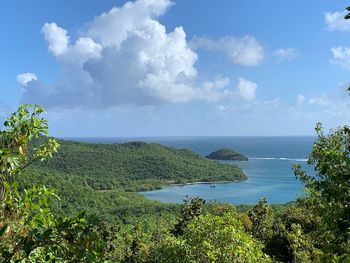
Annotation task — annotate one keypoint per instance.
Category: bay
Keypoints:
(269, 168)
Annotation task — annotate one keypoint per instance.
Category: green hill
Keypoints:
(227, 154)
(106, 177)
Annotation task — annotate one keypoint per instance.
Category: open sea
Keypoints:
(269, 168)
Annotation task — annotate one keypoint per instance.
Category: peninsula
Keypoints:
(106, 178)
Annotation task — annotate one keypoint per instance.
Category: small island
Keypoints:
(227, 154)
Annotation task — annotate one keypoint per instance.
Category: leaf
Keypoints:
(3, 230)
(21, 151)
(47, 233)
(28, 246)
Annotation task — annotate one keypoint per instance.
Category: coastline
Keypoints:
(214, 182)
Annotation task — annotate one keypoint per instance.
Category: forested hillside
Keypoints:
(104, 178)
(134, 166)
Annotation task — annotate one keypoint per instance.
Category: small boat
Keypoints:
(213, 185)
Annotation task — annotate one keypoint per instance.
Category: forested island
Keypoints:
(226, 154)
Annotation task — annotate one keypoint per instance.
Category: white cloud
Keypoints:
(125, 56)
(335, 21)
(56, 37)
(113, 28)
(222, 107)
(341, 56)
(286, 53)
(24, 78)
(215, 90)
(320, 100)
(246, 51)
(218, 84)
(332, 108)
(246, 89)
(272, 102)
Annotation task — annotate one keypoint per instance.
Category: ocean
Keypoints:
(269, 168)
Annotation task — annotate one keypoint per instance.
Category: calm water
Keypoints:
(269, 168)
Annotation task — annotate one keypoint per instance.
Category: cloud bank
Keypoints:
(125, 56)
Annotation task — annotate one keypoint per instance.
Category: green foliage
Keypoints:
(104, 178)
(29, 230)
(288, 233)
(134, 166)
(21, 127)
(191, 209)
(329, 191)
(261, 217)
(211, 238)
(302, 247)
(33, 232)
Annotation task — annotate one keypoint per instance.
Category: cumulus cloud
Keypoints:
(246, 51)
(215, 90)
(246, 89)
(286, 53)
(56, 37)
(24, 78)
(125, 56)
(341, 56)
(114, 27)
(336, 22)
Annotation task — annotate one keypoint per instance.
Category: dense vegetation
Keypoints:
(29, 230)
(315, 228)
(133, 166)
(227, 154)
(104, 179)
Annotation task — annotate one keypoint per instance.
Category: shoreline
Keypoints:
(214, 182)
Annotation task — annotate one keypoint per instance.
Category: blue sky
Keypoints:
(177, 68)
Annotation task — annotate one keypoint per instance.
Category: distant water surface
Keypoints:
(269, 168)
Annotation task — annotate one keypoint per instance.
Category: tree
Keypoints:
(21, 127)
(192, 208)
(29, 230)
(329, 188)
(347, 15)
(211, 238)
(261, 217)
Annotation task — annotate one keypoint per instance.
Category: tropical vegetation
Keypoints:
(37, 226)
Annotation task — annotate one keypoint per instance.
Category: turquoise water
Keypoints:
(269, 168)
(272, 179)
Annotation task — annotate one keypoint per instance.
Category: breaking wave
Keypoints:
(279, 158)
